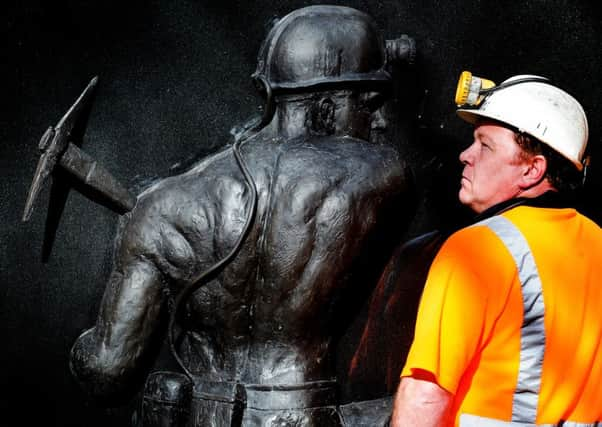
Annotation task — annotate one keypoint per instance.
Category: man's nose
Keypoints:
(378, 120)
(466, 156)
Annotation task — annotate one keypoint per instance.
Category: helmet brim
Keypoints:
(473, 116)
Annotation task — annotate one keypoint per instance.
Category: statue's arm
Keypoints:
(111, 359)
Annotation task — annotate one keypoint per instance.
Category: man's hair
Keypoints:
(560, 172)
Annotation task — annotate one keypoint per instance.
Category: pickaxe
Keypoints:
(57, 147)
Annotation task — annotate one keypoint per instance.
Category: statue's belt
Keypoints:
(268, 396)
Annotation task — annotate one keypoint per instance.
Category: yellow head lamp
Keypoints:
(469, 89)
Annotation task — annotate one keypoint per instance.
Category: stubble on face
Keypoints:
(492, 167)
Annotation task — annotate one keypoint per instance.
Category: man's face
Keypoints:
(492, 168)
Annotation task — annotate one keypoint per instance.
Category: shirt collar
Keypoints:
(549, 199)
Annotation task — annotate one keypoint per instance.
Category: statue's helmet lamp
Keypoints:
(471, 89)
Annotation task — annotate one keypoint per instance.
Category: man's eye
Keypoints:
(373, 103)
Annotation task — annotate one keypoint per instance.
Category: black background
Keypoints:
(173, 81)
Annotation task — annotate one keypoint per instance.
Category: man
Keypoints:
(259, 243)
(508, 331)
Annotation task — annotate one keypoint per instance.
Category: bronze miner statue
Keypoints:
(245, 260)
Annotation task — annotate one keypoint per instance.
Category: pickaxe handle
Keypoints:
(96, 177)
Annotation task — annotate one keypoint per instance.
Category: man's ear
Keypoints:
(322, 117)
(535, 171)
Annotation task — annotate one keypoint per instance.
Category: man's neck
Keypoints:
(537, 190)
(294, 119)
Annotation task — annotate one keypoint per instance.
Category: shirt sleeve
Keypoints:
(452, 316)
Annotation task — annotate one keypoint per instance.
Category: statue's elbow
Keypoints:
(101, 374)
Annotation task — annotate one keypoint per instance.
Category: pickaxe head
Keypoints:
(53, 144)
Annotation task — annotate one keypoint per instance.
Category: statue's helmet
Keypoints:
(322, 46)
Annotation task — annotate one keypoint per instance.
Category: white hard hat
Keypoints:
(532, 105)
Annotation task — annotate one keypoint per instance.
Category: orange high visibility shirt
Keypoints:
(468, 329)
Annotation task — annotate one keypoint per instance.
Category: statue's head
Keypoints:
(323, 50)
(322, 46)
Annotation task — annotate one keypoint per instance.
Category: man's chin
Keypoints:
(467, 201)
(463, 197)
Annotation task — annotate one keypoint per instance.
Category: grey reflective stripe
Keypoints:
(467, 420)
(532, 341)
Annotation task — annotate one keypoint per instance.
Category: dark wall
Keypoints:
(173, 80)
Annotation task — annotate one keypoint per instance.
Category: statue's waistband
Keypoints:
(268, 396)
